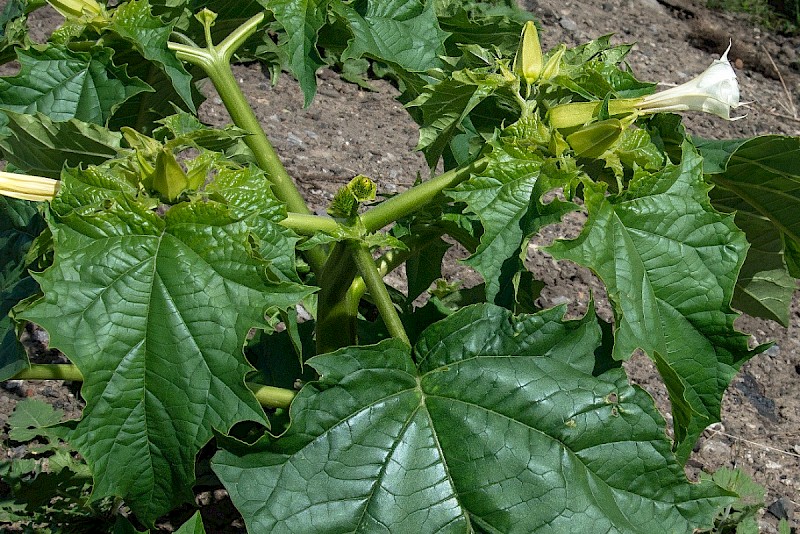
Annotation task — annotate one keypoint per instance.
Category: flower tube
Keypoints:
(27, 187)
(714, 91)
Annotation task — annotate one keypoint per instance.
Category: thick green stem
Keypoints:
(268, 396)
(413, 199)
(374, 282)
(309, 224)
(215, 61)
(337, 306)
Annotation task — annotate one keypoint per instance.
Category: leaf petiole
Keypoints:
(268, 396)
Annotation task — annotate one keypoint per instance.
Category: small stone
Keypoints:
(568, 24)
(782, 508)
(773, 351)
(607, 7)
(293, 139)
(716, 448)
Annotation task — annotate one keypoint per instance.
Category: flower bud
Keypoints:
(26, 187)
(528, 60)
(78, 9)
(592, 140)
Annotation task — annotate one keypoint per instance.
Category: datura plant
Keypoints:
(205, 306)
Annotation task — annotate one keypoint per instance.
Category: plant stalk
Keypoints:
(268, 396)
(374, 283)
(337, 306)
(215, 62)
(413, 199)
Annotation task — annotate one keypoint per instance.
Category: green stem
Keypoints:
(337, 306)
(394, 258)
(309, 224)
(268, 396)
(374, 283)
(413, 199)
(215, 62)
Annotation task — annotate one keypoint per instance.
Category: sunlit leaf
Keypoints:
(499, 425)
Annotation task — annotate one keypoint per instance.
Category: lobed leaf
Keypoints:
(64, 84)
(402, 32)
(507, 198)
(669, 262)
(499, 427)
(301, 20)
(37, 145)
(134, 22)
(759, 180)
(154, 312)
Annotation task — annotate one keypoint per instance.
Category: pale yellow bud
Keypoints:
(26, 187)
(528, 60)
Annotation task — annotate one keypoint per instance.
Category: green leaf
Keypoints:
(30, 418)
(669, 262)
(302, 21)
(764, 287)
(403, 32)
(193, 526)
(759, 179)
(248, 194)
(500, 426)
(37, 145)
(154, 312)
(424, 267)
(63, 84)
(444, 106)
(133, 22)
(20, 223)
(507, 198)
(14, 28)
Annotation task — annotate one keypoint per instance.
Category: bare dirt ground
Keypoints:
(348, 131)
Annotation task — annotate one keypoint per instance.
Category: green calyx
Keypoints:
(347, 199)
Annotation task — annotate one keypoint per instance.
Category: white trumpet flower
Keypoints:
(714, 91)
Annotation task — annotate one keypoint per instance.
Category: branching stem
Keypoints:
(374, 283)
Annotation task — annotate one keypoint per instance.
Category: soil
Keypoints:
(349, 131)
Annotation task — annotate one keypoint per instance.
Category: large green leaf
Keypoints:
(20, 223)
(248, 194)
(154, 312)
(63, 84)
(669, 262)
(37, 145)
(759, 179)
(133, 22)
(499, 427)
(302, 21)
(403, 32)
(507, 198)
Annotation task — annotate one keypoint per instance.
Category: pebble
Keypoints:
(716, 448)
(782, 508)
(293, 139)
(568, 24)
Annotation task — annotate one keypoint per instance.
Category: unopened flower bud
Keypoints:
(26, 187)
(528, 60)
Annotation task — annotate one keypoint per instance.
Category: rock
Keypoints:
(568, 24)
(716, 448)
(782, 508)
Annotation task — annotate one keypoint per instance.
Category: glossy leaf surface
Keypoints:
(499, 426)
(669, 262)
(154, 312)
